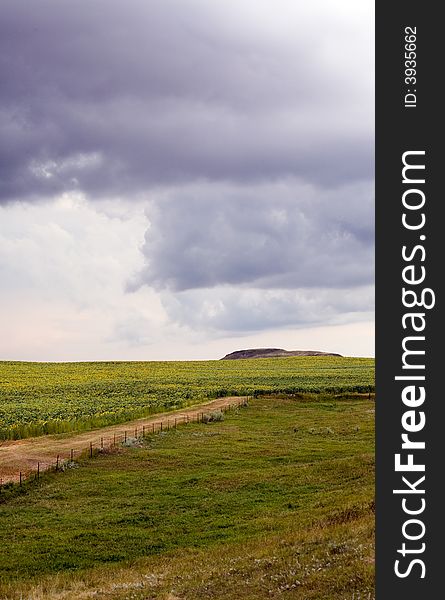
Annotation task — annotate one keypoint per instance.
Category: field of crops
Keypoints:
(39, 398)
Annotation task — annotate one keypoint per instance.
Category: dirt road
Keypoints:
(24, 455)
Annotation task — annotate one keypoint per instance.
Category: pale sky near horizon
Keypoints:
(182, 179)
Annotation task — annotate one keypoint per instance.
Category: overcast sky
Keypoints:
(183, 178)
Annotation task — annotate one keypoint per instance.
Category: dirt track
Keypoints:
(24, 455)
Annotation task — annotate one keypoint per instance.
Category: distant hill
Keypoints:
(273, 353)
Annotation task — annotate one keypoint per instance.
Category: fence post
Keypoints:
(143, 431)
(176, 423)
(135, 432)
(91, 449)
(72, 455)
(161, 425)
(38, 471)
(114, 439)
(125, 437)
(102, 443)
(153, 427)
(57, 463)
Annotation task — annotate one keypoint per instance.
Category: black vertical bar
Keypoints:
(408, 120)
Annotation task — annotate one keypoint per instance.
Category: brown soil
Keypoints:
(24, 455)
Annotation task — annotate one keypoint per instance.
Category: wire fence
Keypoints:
(129, 437)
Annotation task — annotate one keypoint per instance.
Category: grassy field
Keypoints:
(39, 398)
(276, 501)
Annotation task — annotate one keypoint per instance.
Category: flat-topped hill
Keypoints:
(273, 352)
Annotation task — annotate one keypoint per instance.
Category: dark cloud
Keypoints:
(285, 234)
(246, 127)
(114, 98)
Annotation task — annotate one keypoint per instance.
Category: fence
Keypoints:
(62, 461)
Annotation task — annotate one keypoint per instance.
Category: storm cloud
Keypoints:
(112, 98)
(243, 128)
(284, 234)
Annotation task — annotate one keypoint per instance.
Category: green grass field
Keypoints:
(276, 501)
(39, 398)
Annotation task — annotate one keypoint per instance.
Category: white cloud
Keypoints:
(63, 269)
